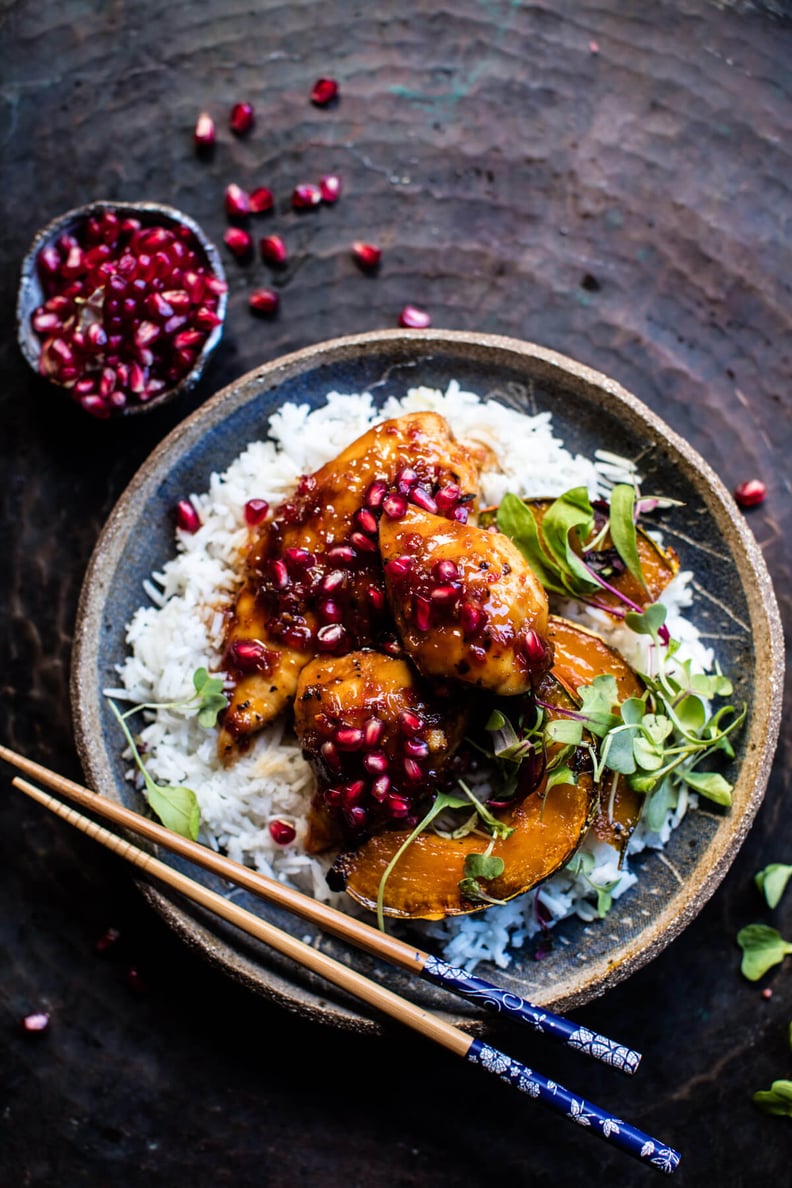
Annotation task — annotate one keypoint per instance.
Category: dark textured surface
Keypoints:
(627, 204)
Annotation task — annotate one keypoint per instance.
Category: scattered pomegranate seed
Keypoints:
(445, 571)
(380, 787)
(324, 91)
(423, 499)
(767, 992)
(330, 187)
(261, 200)
(273, 250)
(413, 318)
(306, 196)
(750, 493)
(409, 722)
(238, 242)
(394, 506)
(348, 738)
(135, 980)
(251, 655)
(264, 301)
(204, 134)
(282, 832)
(237, 201)
(331, 637)
(372, 731)
(533, 647)
(242, 118)
(368, 255)
(38, 1021)
(187, 517)
(376, 763)
(107, 940)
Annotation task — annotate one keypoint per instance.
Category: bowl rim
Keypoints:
(601, 974)
(29, 283)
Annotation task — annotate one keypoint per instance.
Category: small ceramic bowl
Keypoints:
(32, 295)
(589, 412)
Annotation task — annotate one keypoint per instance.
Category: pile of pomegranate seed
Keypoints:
(128, 309)
(750, 493)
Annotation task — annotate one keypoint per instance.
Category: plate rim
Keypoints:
(765, 624)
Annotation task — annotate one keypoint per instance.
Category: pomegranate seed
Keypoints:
(445, 595)
(187, 339)
(356, 816)
(363, 544)
(273, 250)
(410, 723)
(367, 255)
(447, 497)
(250, 655)
(367, 522)
(298, 637)
(306, 196)
(416, 748)
(135, 980)
(264, 301)
(423, 499)
(445, 571)
(413, 318)
(341, 553)
(330, 611)
(330, 187)
(48, 261)
(460, 514)
(206, 319)
(352, 793)
(44, 322)
(204, 134)
(348, 738)
(261, 200)
(280, 574)
(299, 558)
(406, 479)
(107, 940)
(334, 580)
(750, 493)
(376, 597)
(413, 771)
(242, 118)
(376, 763)
(372, 731)
(332, 796)
(398, 806)
(393, 648)
(95, 406)
(237, 202)
(38, 1021)
(187, 517)
(324, 91)
(471, 618)
(256, 510)
(399, 567)
(281, 832)
(395, 506)
(380, 787)
(330, 754)
(375, 494)
(422, 612)
(331, 637)
(533, 647)
(238, 242)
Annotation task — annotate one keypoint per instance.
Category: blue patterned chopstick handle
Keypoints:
(450, 977)
(620, 1134)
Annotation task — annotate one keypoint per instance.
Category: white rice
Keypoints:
(182, 629)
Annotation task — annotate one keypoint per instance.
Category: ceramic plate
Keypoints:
(734, 606)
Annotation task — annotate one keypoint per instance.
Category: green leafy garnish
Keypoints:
(772, 881)
(480, 867)
(622, 529)
(775, 1100)
(762, 948)
(177, 806)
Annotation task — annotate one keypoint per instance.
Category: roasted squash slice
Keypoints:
(580, 656)
(425, 882)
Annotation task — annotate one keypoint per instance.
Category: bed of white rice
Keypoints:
(181, 629)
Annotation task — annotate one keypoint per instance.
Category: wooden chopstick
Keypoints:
(612, 1130)
(354, 931)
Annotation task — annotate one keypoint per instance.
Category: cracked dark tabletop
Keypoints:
(611, 180)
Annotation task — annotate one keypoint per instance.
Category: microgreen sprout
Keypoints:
(762, 948)
(175, 805)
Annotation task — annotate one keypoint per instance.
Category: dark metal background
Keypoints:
(608, 179)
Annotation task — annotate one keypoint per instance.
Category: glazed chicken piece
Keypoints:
(465, 601)
(378, 737)
(314, 574)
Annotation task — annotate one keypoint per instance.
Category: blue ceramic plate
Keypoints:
(589, 412)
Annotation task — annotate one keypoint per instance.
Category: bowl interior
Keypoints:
(31, 294)
(734, 608)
